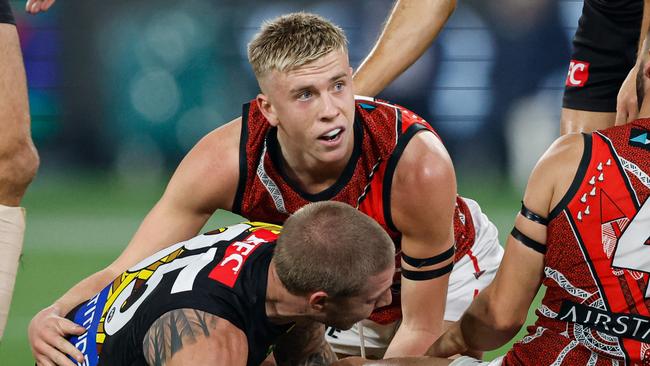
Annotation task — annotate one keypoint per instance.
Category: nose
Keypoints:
(330, 109)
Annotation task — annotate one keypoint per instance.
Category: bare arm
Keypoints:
(627, 104)
(193, 337)
(304, 345)
(423, 209)
(500, 310)
(201, 184)
(411, 28)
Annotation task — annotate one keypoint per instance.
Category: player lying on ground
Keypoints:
(229, 296)
(306, 138)
(583, 232)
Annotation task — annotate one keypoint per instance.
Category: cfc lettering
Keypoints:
(233, 257)
(578, 73)
(236, 255)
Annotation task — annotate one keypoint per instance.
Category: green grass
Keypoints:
(78, 225)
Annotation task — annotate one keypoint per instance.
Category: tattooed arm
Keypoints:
(189, 337)
(305, 345)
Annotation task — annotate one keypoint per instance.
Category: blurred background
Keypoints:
(121, 90)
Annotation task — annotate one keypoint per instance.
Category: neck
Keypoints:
(281, 305)
(311, 174)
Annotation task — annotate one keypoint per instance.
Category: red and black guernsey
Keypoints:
(381, 133)
(596, 310)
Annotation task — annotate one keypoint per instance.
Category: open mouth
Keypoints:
(332, 135)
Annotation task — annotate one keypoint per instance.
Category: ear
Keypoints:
(317, 300)
(267, 109)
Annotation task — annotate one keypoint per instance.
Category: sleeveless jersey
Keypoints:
(223, 272)
(381, 133)
(596, 310)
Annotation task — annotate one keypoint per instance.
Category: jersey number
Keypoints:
(116, 317)
(633, 248)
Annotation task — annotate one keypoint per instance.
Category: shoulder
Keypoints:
(209, 173)
(183, 335)
(423, 194)
(424, 161)
(554, 172)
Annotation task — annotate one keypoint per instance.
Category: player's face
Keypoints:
(348, 311)
(313, 108)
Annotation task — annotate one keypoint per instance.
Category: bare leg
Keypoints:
(18, 161)
(573, 120)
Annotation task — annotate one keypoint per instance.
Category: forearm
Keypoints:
(408, 342)
(83, 290)
(402, 33)
(304, 346)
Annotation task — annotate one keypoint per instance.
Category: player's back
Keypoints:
(223, 272)
(597, 261)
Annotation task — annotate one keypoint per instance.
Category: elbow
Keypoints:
(508, 323)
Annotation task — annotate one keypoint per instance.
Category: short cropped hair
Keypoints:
(293, 40)
(332, 247)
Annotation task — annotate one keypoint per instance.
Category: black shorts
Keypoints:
(604, 51)
(6, 16)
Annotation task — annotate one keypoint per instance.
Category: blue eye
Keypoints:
(304, 95)
(339, 86)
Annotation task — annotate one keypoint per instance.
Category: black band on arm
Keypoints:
(6, 16)
(532, 244)
(423, 262)
(530, 215)
(427, 275)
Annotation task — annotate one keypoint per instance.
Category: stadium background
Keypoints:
(120, 90)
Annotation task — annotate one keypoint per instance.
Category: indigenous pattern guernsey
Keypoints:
(596, 310)
(223, 272)
(381, 132)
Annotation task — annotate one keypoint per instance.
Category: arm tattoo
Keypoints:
(175, 329)
(304, 346)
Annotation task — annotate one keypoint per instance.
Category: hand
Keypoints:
(627, 107)
(47, 332)
(37, 6)
(350, 361)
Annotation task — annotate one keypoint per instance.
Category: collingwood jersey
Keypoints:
(223, 272)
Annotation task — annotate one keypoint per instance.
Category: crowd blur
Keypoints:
(130, 86)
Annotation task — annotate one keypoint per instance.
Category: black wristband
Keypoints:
(531, 243)
(427, 275)
(6, 15)
(530, 215)
(423, 262)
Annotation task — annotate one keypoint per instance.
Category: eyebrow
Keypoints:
(307, 87)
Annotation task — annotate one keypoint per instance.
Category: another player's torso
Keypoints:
(595, 312)
(223, 272)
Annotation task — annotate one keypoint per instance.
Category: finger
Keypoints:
(28, 6)
(57, 357)
(34, 7)
(69, 349)
(43, 361)
(47, 4)
(66, 327)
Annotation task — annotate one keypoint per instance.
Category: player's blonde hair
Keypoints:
(293, 40)
(333, 247)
